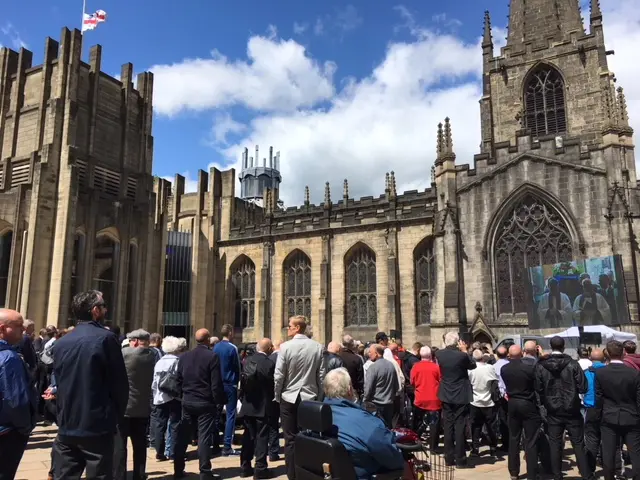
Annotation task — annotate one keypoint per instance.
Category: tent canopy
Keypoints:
(606, 332)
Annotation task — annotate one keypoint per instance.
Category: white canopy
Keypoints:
(606, 332)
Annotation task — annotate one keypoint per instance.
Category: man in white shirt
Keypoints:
(298, 376)
(484, 381)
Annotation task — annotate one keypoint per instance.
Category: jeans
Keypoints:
(165, 417)
(232, 402)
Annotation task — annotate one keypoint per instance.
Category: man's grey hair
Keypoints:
(27, 323)
(348, 342)
(425, 353)
(451, 339)
(139, 334)
(213, 341)
(183, 344)
(478, 356)
(309, 331)
(337, 384)
(171, 344)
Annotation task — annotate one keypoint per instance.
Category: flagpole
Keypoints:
(84, 5)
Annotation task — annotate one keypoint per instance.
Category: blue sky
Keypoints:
(343, 90)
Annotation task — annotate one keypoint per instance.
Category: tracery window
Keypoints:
(544, 102)
(243, 278)
(361, 293)
(425, 271)
(297, 285)
(531, 234)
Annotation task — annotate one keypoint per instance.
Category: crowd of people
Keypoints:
(103, 389)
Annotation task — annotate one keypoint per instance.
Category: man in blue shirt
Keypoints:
(370, 444)
(17, 395)
(230, 364)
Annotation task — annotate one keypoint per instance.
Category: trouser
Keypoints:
(592, 442)
(274, 436)
(166, 418)
(386, 413)
(428, 418)
(454, 421)
(503, 422)
(523, 415)
(232, 404)
(556, 426)
(12, 447)
(136, 429)
(255, 441)
(481, 416)
(204, 416)
(610, 435)
(73, 455)
(289, 418)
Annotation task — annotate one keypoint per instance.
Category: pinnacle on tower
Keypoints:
(440, 142)
(345, 190)
(433, 174)
(306, 195)
(448, 138)
(392, 185)
(487, 39)
(623, 114)
(596, 12)
(386, 183)
(327, 195)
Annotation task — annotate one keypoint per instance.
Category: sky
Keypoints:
(343, 90)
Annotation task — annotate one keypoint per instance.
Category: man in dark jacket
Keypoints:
(631, 358)
(331, 358)
(259, 410)
(274, 429)
(200, 377)
(353, 363)
(92, 392)
(456, 394)
(17, 396)
(559, 382)
(139, 361)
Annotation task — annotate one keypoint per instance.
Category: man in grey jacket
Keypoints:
(139, 361)
(298, 376)
(381, 384)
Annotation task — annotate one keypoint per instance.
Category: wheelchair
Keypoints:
(319, 455)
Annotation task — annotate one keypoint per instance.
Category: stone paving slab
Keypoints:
(36, 461)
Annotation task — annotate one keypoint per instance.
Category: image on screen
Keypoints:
(577, 293)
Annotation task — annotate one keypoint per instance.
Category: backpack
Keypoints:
(169, 382)
(46, 355)
(249, 381)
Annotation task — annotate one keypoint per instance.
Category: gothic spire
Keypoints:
(306, 195)
(327, 195)
(387, 184)
(623, 114)
(487, 39)
(433, 174)
(440, 141)
(596, 13)
(345, 190)
(392, 185)
(448, 138)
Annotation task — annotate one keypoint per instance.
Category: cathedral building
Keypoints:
(554, 181)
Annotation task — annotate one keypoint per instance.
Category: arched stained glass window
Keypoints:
(544, 105)
(425, 268)
(361, 290)
(297, 285)
(243, 278)
(532, 234)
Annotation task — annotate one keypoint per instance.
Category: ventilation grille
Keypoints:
(107, 181)
(132, 186)
(82, 174)
(20, 172)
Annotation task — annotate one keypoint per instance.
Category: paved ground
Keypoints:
(36, 461)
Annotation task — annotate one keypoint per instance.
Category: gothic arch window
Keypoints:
(425, 283)
(544, 104)
(531, 234)
(297, 285)
(243, 279)
(361, 292)
(6, 239)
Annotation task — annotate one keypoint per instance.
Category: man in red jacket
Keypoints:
(631, 358)
(425, 378)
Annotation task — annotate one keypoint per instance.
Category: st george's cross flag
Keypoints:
(91, 21)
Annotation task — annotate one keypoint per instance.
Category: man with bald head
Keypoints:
(519, 381)
(200, 376)
(353, 363)
(331, 358)
(258, 410)
(18, 397)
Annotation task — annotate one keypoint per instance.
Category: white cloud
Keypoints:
(387, 120)
(15, 40)
(318, 27)
(300, 28)
(190, 181)
(277, 75)
(347, 18)
(223, 125)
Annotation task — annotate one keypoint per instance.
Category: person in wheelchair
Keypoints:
(369, 443)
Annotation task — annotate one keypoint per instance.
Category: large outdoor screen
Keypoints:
(577, 293)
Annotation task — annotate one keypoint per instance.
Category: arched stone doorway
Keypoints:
(482, 337)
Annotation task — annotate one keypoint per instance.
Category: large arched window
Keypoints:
(544, 105)
(531, 234)
(297, 285)
(425, 269)
(5, 260)
(361, 293)
(243, 278)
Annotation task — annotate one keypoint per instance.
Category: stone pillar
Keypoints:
(324, 312)
(263, 306)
